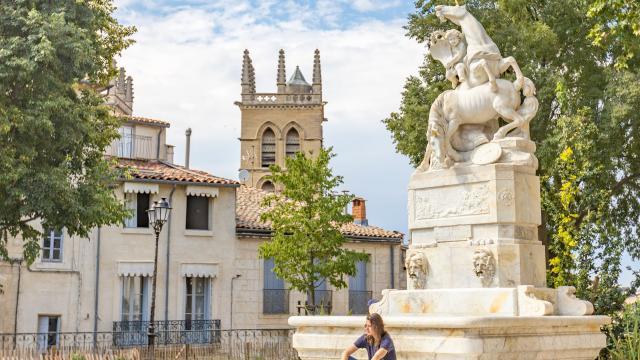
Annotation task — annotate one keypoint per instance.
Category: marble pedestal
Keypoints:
(476, 276)
(455, 337)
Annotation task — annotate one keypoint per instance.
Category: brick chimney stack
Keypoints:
(359, 211)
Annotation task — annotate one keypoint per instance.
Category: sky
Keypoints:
(186, 65)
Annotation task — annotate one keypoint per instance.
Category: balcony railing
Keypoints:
(275, 301)
(358, 302)
(321, 305)
(133, 147)
(130, 333)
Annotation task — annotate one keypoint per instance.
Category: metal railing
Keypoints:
(265, 344)
(321, 306)
(358, 302)
(133, 147)
(130, 333)
(275, 301)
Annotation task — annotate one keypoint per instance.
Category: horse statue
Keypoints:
(479, 96)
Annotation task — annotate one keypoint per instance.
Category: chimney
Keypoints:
(188, 149)
(359, 211)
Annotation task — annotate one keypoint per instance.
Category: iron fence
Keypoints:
(254, 344)
(131, 333)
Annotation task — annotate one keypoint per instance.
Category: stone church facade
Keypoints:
(208, 256)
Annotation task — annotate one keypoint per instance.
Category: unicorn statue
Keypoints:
(463, 122)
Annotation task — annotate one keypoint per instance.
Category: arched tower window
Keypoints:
(293, 143)
(268, 186)
(268, 148)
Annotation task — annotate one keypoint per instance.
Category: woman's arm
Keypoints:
(348, 351)
(379, 354)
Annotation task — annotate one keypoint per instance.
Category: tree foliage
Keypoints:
(306, 244)
(585, 65)
(54, 126)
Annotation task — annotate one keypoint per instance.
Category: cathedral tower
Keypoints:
(277, 125)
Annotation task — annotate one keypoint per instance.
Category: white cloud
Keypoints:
(374, 5)
(186, 69)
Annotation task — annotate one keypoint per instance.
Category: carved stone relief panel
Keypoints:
(451, 201)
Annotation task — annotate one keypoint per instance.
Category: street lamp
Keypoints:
(158, 215)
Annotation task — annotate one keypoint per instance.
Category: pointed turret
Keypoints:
(248, 80)
(281, 80)
(297, 84)
(317, 75)
(128, 98)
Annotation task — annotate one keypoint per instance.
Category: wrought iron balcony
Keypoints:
(133, 147)
(358, 301)
(321, 305)
(130, 333)
(275, 301)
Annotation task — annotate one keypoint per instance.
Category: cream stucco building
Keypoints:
(209, 272)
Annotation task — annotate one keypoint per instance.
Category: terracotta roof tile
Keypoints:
(145, 120)
(158, 170)
(248, 210)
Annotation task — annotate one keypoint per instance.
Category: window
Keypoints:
(293, 143)
(268, 148)
(52, 246)
(197, 302)
(268, 186)
(48, 331)
(138, 204)
(135, 298)
(358, 294)
(197, 213)
(125, 145)
(275, 299)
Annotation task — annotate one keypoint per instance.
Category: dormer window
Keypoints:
(268, 148)
(293, 143)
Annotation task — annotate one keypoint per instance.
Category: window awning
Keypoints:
(199, 270)
(207, 191)
(138, 268)
(143, 188)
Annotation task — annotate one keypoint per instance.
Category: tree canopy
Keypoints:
(306, 216)
(54, 125)
(584, 61)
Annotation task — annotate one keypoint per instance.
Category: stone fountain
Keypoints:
(475, 266)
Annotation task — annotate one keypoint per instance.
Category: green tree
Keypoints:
(54, 125)
(587, 128)
(306, 217)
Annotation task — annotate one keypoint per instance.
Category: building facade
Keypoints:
(209, 273)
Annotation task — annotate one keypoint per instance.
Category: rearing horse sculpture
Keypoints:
(481, 97)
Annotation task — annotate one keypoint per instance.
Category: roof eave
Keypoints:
(179, 182)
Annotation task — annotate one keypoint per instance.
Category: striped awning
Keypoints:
(143, 188)
(199, 270)
(207, 191)
(135, 268)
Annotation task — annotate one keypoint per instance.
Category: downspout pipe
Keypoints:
(97, 287)
(392, 266)
(168, 257)
(15, 316)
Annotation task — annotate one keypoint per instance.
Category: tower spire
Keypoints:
(281, 80)
(248, 79)
(317, 75)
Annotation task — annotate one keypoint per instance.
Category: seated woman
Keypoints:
(377, 341)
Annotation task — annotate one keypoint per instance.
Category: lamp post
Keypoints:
(158, 215)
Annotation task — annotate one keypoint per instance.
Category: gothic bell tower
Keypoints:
(277, 125)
